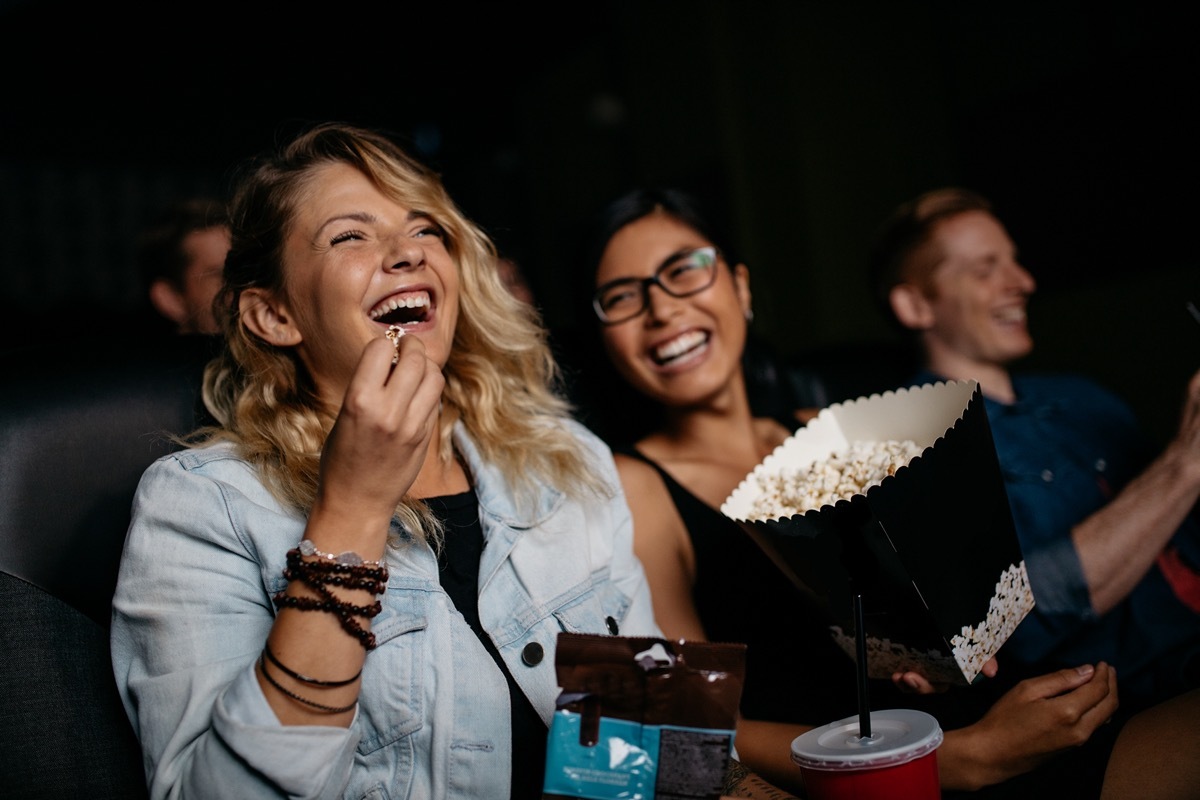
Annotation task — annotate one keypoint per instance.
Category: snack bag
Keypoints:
(641, 718)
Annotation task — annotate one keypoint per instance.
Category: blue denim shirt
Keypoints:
(206, 550)
(1066, 446)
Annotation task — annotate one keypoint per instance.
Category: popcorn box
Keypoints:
(931, 547)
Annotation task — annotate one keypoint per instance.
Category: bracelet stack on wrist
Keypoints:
(319, 570)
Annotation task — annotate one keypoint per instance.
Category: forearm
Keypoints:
(1118, 544)
(742, 782)
(311, 665)
(765, 748)
(963, 762)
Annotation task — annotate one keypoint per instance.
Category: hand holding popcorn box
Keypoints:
(897, 497)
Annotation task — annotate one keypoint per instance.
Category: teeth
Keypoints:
(1011, 315)
(392, 303)
(679, 345)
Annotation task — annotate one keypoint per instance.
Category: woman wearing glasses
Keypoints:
(672, 304)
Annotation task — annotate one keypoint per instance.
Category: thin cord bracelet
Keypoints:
(262, 667)
(304, 678)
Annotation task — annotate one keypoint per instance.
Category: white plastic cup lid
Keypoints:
(897, 736)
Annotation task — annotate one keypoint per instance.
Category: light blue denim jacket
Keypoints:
(206, 550)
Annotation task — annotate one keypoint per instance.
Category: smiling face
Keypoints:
(681, 350)
(354, 263)
(978, 293)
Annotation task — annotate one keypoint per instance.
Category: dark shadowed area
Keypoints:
(805, 121)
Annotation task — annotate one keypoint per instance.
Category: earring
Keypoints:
(749, 315)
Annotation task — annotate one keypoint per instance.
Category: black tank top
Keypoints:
(458, 569)
(795, 672)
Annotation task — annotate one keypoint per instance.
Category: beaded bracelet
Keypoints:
(343, 611)
(303, 571)
(329, 603)
(262, 667)
(348, 558)
(304, 678)
(348, 570)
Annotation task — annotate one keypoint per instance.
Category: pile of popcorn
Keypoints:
(841, 476)
(1013, 599)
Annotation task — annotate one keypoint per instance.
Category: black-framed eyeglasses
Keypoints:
(681, 275)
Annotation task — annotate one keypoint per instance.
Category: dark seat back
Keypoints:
(77, 429)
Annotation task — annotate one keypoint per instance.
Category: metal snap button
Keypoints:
(533, 654)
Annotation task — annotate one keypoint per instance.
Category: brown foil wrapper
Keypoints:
(689, 690)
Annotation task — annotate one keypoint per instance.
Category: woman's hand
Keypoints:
(1032, 721)
(382, 433)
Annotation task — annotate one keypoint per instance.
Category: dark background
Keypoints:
(804, 121)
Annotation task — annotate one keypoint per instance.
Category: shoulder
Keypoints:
(209, 469)
(585, 436)
(636, 472)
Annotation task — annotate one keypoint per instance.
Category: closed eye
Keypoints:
(347, 236)
(431, 230)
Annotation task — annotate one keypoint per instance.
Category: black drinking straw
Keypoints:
(860, 647)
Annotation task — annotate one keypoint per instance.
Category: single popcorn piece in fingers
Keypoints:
(393, 335)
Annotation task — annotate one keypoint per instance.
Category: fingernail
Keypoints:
(1086, 669)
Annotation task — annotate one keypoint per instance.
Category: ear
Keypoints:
(168, 301)
(911, 307)
(741, 285)
(267, 318)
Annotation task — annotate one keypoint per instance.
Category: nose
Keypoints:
(406, 253)
(659, 304)
(1020, 278)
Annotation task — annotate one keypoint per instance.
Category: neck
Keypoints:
(439, 478)
(722, 427)
(995, 381)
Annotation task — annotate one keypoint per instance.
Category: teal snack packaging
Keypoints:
(642, 718)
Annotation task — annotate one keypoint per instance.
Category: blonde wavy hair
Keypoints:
(501, 379)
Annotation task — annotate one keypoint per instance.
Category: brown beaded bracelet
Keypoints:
(262, 667)
(327, 603)
(343, 611)
(313, 577)
(376, 570)
(304, 678)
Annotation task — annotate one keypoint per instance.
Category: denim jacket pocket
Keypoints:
(591, 609)
(392, 675)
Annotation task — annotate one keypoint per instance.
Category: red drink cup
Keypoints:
(898, 761)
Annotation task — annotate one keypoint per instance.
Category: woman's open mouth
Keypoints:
(679, 348)
(406, 308)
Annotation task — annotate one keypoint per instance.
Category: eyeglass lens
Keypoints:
(680, 277)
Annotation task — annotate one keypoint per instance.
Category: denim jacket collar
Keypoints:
(493, 493)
